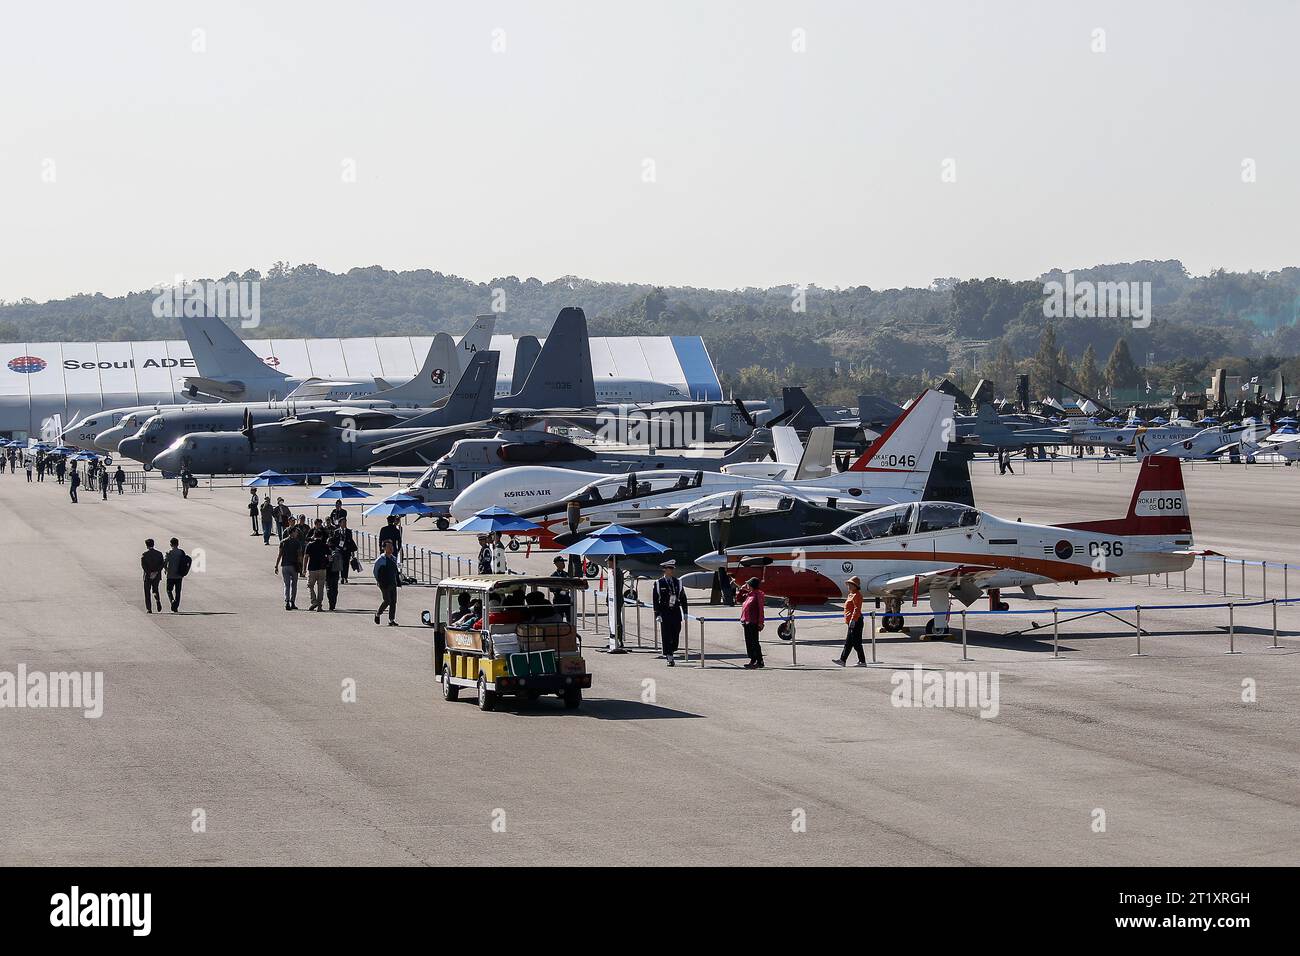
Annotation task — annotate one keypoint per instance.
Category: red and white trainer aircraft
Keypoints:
(943, 550)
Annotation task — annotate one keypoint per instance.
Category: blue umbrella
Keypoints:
(1159, 421)
(1287, 421)
(1209, 421)
(1112, 421)
(496, 519)
(616, 541)
(399, 505)
(268, 478)
(341, 489)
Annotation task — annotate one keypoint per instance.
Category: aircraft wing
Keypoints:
(422, 436)
(305, 424)
(962, 575)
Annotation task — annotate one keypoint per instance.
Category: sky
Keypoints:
(716, 144)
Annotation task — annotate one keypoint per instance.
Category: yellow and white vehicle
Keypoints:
(508, 635)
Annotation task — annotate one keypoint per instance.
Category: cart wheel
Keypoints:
(442, 524)
(449, 690)
(573, 698)
(514, 544)
(486, 698)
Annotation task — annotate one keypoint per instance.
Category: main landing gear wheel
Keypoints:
(449, 690)
(891, 623)
(932, 634)
(442, 524)
(514, 544)
(592, 570)
(486, 698)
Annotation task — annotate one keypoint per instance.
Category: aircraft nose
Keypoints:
(130, 447)
(712, 561)
(107, 440)
(167, 462)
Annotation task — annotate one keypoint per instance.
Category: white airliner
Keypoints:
(895, 468)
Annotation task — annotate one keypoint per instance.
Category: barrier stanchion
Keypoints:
(687, 631)
(873, 637)
(1202, 574)
(1232, 631)
(1138, 630)
(1243, 577)
(1056, 633)
(638, 618)
(1225, 577)
(701, 643)
(964, 656)
(1275, 647)
(794, 642)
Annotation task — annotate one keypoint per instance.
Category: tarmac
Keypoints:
(228, 736)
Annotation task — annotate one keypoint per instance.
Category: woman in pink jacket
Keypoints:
(751, 620)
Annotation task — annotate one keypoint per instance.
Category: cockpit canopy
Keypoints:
(898, 520)
(723, 505)
(635, 485)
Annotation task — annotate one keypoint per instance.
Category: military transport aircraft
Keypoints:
(944, 550)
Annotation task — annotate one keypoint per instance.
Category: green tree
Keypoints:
(1089, 378)
(1121, 370)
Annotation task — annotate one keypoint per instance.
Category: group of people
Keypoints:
(96, 474)
(323, 552)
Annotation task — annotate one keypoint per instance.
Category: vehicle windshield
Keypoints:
(882, 523)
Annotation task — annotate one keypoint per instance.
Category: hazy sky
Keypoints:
(769, 165)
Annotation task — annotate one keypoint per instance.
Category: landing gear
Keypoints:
(442, 524)
(892, 621)
(513, 545)
(931, 631)
(995, 600)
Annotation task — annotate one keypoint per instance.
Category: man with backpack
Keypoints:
(338, 564)
(177, 563)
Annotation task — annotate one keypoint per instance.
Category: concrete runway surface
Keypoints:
(232, 712)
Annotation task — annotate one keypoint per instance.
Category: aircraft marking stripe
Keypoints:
(1056, 570)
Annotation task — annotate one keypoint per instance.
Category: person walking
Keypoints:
(152, 563)
(60, 470)
(103, 483)
(317, 553)
(853, 621)
(177, 563)
(268, 519)
(392, 531)
(484, 555)
(73, 484)
(338, 562)
(498, 555)
(187, 479)
(29, 469)
(286, 564)
(751, 621)
(119, 476)
(252, 510)
(350, 562)
(669, 599)
(283, 517)
(389, 579)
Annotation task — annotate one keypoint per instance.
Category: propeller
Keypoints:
(720, 528)
(248, 425)
(744, 413)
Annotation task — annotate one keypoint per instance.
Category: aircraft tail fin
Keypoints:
(434, 381)
(815, 462)
(874, 410)
(803, 413)
(907, 447)
(788, 447)
(477, 339)
(219, 353)
(561, 377)
(949, 479)
(472, 398)
(527, 348)
(1158, 505)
